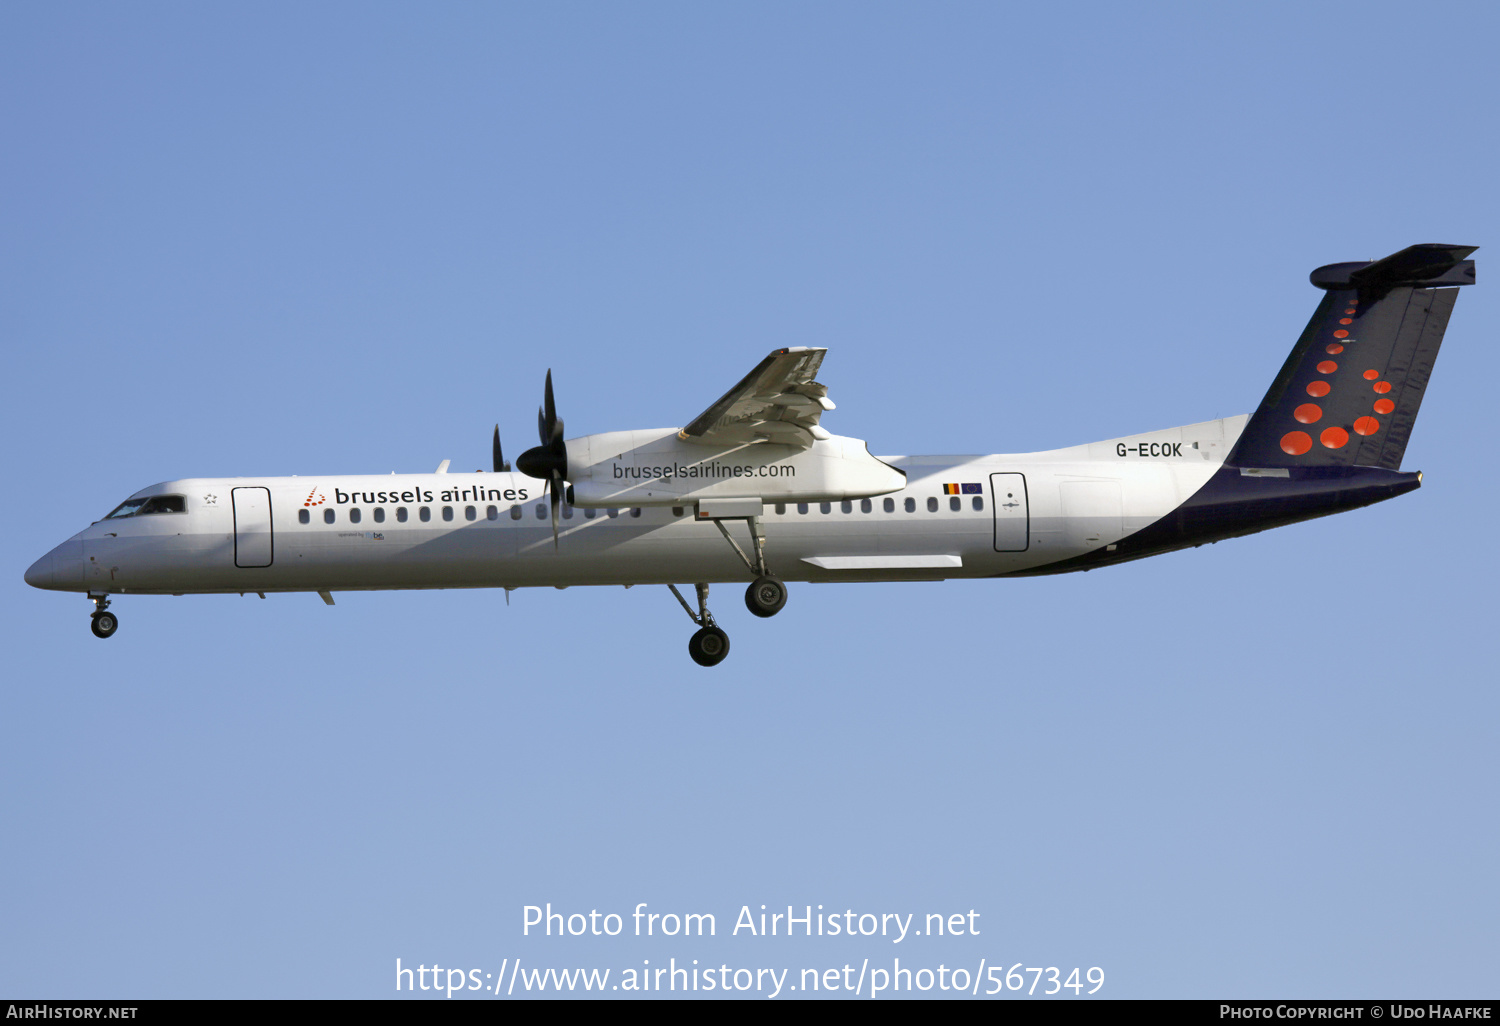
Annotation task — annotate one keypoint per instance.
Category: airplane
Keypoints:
(756, 489)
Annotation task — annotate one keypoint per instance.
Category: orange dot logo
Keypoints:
(1384, 406)
(1334, 348)
(1371, 375)
(1295, 443)
(1318, 389)
(1366, 426)
(1346, 320)
(1382, 387)
(1334, 437)
(1349, 311)
(1341, 333)
(1327, 367)
(1308, 413)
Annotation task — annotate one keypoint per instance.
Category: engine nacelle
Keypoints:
(658, 468)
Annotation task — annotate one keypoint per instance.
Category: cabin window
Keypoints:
(328, 516)
(379, 514)
(801, 507)
(515, 512)
(825, 507)
(865, 506)
(780, 509)
(846, 506)
(354, 515)
(447, 512)
(424, 514)
(491, 513)
(590, 514)
(567, 512)
(932, 503)
(304, 517)
(911, 504)
(636, 511)
(541, 511)
(955, 504)
(889, 505)
(470, 513)
(401, 514)
(677, 511)
(978, 503)
(614, 513)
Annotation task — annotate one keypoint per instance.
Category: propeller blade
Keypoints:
(553, 427)
(556, 504)
(501, 467)
(548, 461)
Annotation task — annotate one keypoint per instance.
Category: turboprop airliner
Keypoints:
(756, 490)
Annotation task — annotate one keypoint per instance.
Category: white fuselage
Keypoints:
(1011, 514)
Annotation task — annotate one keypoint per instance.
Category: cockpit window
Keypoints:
(128, 508)
(164, 504)
(146, 506)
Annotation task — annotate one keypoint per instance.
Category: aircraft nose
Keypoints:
(40, 575)
(59, 570)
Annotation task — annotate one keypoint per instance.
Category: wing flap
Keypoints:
(779, 401)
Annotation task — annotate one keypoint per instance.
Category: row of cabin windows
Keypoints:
(866, 506)
(955, 504)
(567, 512)
(424, 513)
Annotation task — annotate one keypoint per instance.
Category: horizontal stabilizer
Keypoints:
(1427, 265)
(1349, 392)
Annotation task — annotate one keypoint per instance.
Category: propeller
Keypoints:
(501, 467)
(548, 461)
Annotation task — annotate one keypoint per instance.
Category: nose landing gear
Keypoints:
(102, 623)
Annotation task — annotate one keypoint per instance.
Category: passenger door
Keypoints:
(1012, 512)
(252, 527)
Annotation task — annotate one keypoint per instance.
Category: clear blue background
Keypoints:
(346, 238)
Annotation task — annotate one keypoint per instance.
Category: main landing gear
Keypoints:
(765, 597)
(102, 623)
(710, 644)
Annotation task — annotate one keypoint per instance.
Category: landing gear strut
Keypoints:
(766, 594)
(710, 644)
(102, 623)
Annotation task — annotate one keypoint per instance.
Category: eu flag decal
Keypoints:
(973, 489)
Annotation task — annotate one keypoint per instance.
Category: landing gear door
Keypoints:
(1012, 512)
(252, 527)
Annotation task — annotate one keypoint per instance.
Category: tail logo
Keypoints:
(1300, 443)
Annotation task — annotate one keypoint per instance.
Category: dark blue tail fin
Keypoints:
(1349, 393)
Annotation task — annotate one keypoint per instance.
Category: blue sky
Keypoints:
(345, 238)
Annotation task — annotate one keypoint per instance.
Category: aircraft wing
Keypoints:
(776, 402)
